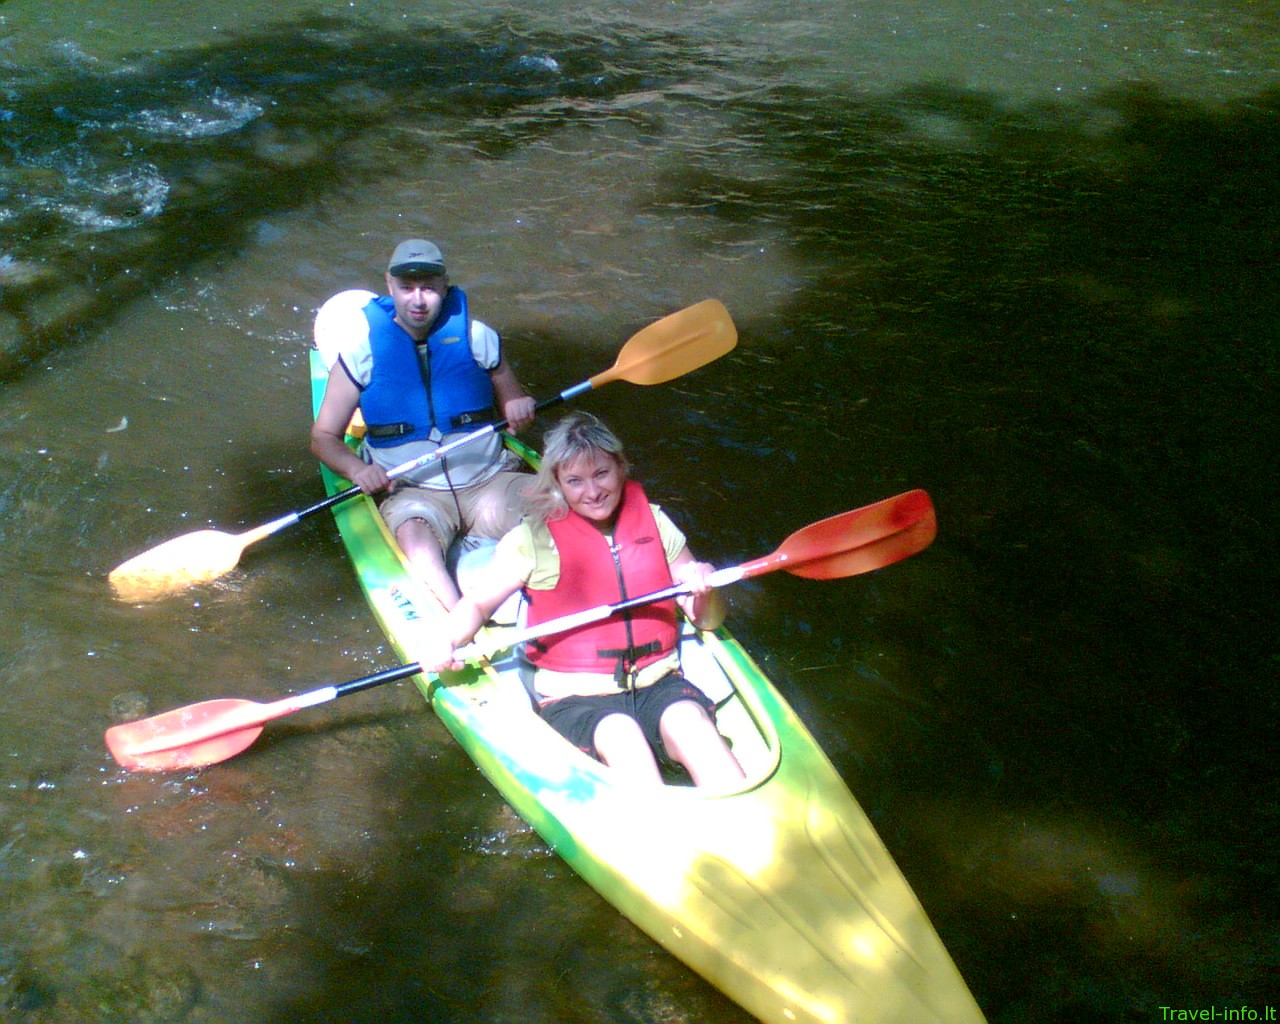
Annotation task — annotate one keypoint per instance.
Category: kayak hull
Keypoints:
(779, 893)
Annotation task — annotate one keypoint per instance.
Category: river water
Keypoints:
(1023, 255)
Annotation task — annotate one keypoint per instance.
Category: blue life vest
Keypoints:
(398, 404)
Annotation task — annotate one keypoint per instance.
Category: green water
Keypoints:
(1021, 256)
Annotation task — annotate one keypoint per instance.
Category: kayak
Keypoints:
(779, 893)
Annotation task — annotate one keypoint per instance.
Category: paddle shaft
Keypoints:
(654, 355)
(562, 624)
(387, 675)
(422, 460)
(719, 578)
(252, 715)
(847, 544)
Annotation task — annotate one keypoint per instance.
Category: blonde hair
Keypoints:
(579, 433)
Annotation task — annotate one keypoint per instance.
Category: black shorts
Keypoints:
(576, 718)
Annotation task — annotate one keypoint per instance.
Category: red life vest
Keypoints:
(593, 573)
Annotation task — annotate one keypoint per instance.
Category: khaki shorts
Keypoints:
(486, 509)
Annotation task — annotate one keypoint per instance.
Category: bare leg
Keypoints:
(418, 541)
(497, 508)
(622, 745)
(691, 737)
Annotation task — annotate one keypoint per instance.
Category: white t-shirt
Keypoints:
(342, 335)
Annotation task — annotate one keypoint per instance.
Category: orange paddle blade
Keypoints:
(189, 737)
(673, 346)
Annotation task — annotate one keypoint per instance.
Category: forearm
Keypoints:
(334, 453)
(465, 620)
(328, 433)
(706, 611)
(515, 404)
(703, 605)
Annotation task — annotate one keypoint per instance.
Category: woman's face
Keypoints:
(592, 486)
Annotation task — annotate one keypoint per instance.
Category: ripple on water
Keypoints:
(218, 114)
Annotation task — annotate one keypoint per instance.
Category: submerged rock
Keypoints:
(129, 706)
(142, 990)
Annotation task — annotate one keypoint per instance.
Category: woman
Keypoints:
(612, 688)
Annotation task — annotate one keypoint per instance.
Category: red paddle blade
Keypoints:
(189, 737)
(859, 541)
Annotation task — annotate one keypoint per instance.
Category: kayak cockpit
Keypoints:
(747, 729)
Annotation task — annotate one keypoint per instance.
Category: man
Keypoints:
(423, 373)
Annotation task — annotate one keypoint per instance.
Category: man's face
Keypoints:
(417, 301)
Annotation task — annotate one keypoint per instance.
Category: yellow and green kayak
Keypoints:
(779, 893)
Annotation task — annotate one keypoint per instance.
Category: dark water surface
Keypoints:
(1023, 257)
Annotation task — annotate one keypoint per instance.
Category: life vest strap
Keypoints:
(469, 419)
(388, 429)
(628, 657)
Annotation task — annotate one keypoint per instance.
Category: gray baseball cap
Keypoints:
(416, 256)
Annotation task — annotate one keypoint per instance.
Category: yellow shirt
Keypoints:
(530, 551)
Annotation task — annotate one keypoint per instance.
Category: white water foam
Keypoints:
(232, 114)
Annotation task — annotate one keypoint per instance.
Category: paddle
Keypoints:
(853, 542)
(668, 348)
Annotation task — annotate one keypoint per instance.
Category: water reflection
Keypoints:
(191, 158)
